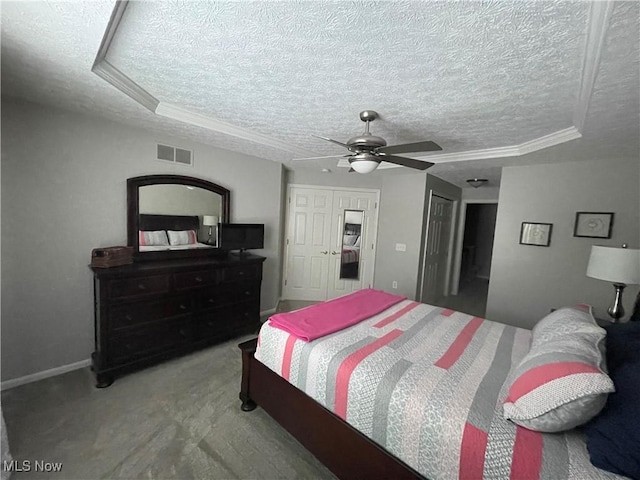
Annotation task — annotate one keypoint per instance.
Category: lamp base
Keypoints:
(616, 310)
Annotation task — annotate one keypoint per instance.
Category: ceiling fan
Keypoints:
(368, 150)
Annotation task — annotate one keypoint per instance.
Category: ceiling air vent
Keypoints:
(175, 155)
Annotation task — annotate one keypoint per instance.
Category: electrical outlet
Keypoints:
(394, 284)
(401, 247)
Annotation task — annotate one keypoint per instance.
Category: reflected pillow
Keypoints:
(182, 237)
(562, 382)
(152, 237)
(349, 240)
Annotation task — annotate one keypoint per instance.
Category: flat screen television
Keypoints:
(241, 236)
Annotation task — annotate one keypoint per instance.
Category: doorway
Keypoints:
(473, 268)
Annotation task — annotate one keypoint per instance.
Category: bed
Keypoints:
(414, 391)
(169, 232)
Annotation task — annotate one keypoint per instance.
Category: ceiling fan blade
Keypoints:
(318, 158)
(406, 162)
(332, 141)
(425, 146)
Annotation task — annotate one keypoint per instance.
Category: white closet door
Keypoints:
(440, 215)
(354, 201)
(307, 249)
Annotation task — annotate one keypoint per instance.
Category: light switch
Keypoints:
(401, 247)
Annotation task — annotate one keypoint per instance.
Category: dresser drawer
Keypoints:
(244, 318)
(211, 325)
(229, 293)
(243, 272)
(133, 314)
(142, 342)
(195, 279)
(138, 286)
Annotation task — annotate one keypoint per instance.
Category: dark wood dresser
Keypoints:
(150, 311)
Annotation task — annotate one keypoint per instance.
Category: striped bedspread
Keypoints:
(427, 384)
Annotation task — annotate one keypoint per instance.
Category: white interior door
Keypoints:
(352, 201)
(437, 251)
(315, 225)
(307, 247)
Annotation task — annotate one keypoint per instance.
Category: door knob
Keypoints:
(324, 252)
(334, 253)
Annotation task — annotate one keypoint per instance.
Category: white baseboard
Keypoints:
(268, 312)
(34, 377)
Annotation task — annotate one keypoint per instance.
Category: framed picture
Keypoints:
(538, 234)
(593, 225)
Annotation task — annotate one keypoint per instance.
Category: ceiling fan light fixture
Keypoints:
(477, 182)
(364, 163)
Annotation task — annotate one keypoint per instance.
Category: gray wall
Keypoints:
(527, 281)
(400, 221)
(339, 178)
(64, 193)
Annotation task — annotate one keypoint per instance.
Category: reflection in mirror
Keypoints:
(193, 208)
(171, 216)
(351, 240)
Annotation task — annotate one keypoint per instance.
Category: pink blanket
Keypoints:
(331, 316)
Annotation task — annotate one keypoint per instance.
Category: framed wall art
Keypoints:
(538, 234)
(593, 224)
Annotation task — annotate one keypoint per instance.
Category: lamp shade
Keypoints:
(614, 264)
(209, 220)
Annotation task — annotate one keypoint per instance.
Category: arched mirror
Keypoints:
(173, 216)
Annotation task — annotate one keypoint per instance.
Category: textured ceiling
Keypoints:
(467, 75)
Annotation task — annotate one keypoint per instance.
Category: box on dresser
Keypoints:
(107, 257)
(150, 311)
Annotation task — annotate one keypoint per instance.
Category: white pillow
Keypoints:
(182, 237)
(349, 240)
(152, 237)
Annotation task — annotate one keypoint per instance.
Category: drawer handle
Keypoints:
(198, 279)
(183, 332)
(210, 323)
(212, 300)
(247, 314)
(142, 286)
(183, 307)
(241, 272)
(128, 317)
(127, 346)
(247, 293)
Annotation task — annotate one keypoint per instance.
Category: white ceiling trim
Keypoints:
(599, 16)
(174, 112)
(547, 141)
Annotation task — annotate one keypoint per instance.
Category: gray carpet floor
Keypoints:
(177, 420)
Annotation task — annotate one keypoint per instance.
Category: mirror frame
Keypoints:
(133, 203)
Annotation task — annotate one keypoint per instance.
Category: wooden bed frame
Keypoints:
(340, 447)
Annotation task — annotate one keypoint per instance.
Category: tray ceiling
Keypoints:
(261, 77)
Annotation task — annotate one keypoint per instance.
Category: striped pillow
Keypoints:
(561, 383)
(182, 237)
(152, 237)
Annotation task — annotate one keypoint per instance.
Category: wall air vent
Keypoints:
(167, 153)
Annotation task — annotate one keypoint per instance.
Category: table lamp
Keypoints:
(210, 221)
(619, 265)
